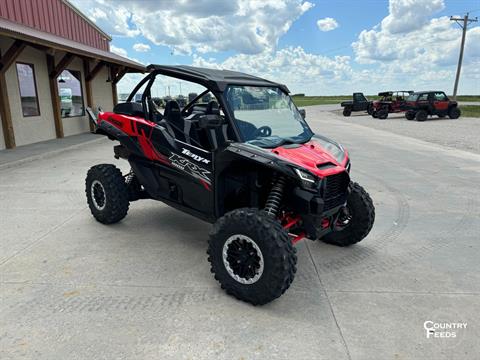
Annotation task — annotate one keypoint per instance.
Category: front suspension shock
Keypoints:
(274, 200)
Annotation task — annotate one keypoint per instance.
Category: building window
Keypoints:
(70, 93)
(28, 89)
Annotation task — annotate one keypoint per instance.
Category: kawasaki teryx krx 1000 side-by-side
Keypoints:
(240, 155)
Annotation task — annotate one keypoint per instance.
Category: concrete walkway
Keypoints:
(72, 288)
(35, 151)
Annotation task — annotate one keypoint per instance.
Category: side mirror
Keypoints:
(302, 112)
(210, 121)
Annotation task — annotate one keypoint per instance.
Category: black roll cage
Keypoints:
(217, 89)
(150, 78)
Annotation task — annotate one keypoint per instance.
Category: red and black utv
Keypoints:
(420, 105)
(246, 161)
(390, 102)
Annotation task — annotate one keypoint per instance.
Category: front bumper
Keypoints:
(318, 208)
(306, 203)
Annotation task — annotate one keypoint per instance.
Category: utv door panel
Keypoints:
(150, 177)
(441, 106)
(194, 175)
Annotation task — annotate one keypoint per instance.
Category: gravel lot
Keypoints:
(72, 288)
(463, 133)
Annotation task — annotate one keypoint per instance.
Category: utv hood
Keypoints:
(321, 156)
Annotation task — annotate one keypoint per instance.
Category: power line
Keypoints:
(466, 21)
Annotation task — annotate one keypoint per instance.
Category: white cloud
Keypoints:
(430, 42)
(412, 49)
(118, 50)
(327, 24)
(245, 26)
(409, 48)
(122, 52)
(141, 47)
(293, 66)
(407, 15)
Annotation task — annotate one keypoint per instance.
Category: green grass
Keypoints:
(470, 110)
(468, 98)
(318, 100)
(301, 101)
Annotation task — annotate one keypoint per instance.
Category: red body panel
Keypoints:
(309, 155)
(441, 105)
(394, 106)
(138, 128)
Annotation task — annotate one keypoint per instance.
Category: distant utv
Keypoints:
(420, 105)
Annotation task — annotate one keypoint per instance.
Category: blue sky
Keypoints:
(315, 47)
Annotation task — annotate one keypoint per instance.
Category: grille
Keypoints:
(335, 191)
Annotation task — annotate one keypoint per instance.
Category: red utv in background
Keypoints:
(390, 102)
(420, 105)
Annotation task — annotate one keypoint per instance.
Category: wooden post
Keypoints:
(113, 73)
(88, 88)
(5, 112)
(96, 69)
(62, 65)
(11, 54)
(53, 72)
(57, 115)
(116, 75)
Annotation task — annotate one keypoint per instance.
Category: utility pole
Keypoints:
(464, 26)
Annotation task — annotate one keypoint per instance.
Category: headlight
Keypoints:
(308, 180)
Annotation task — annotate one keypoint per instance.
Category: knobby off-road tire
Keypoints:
(454, 113)
(242, 227)
(362, 212)
(382, 114)
(347, 112)
(107, 193)
(410, 115)
(370, 110)
(421, 115)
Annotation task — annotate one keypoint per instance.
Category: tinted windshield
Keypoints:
(266, 116)
(412, 97)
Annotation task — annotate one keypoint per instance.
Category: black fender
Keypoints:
(114, 133)
(262, 157)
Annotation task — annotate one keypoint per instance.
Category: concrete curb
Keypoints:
(47, 154)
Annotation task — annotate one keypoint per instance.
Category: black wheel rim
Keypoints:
(98, 195)
(243, 259)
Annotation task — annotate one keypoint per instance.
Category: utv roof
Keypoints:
(427, 91)
(212, 78)
(390, 93)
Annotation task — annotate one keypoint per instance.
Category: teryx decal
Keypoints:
(186, 165)
(195, 156)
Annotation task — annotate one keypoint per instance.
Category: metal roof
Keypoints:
(22, 32)
(90, 22)
(212, 77)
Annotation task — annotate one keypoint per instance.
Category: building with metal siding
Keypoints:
(54, 62)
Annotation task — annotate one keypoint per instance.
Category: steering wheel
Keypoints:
(262, 131)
